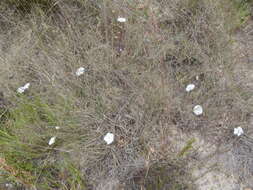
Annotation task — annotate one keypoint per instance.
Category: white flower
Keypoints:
(8, 185)
(238, 131)
(198, 110)
(197, 77)
(57, 127)
(80, 71)
(26, 86)
(121, 19)
(109, 138)
(189, 87)
(22, 89)
(52, 140)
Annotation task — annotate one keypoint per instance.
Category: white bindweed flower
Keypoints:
(198, 110)
(57, 127)
(22, 89)
(109, 138)
(189, 87)
(238, 131)
(52, 140)
(8, 185)
(80, 71)
(121, 19)
(26, 86)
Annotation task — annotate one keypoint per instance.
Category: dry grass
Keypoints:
(134, 87)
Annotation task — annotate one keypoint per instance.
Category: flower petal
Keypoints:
(26, 86)
(21, 90)
(52, 140)
(198, 110)
(109, 138)
(189, 87)
(238, 131)
(80, 71)
(121, 19)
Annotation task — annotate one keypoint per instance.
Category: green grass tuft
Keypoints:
(243, 9)
(26, 156)
(187, 147)
(169, 176)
